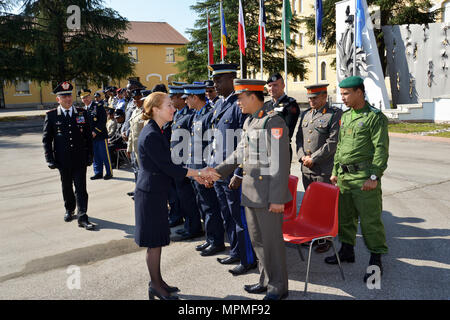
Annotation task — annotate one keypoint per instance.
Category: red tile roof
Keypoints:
(153, 33)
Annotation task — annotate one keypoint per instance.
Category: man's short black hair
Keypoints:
(361, 86)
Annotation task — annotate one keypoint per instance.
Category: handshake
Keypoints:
(206, 176)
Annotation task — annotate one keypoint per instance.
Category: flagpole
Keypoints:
(207, 41)
(261, 44)
(221, 31)
(317, 50)
(261, 57)
(285, 49)
(354, 41)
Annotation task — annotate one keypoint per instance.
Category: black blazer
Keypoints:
(155, 163)
(97, 121)
(67, 142)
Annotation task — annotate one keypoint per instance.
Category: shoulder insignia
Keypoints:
(375, 110)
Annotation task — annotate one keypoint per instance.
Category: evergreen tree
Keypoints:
(392, 12)
(37, 44)
(194, 65)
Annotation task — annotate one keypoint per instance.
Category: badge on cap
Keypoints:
(277, 133)
(65, 85)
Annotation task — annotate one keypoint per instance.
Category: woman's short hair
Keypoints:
(154, 100)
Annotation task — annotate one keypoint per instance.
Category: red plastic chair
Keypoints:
(317, 219)
(290, 208)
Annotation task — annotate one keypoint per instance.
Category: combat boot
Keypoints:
(375, 260)
(346, 254)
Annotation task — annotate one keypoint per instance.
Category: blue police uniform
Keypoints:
(181, 125)
(227, 118)
(206, 197)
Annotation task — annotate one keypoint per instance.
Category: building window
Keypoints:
(22, 87)
(170, 55)
(323, 71)
(133, 52)
(446, 14)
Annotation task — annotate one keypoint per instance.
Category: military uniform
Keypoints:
(362, 153)
(317, 137)
(287, 109)
(67, 141)
(226, 121)
(207, 201)
(181, 128)
(263, 155)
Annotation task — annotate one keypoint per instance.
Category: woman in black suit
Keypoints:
(152, 189)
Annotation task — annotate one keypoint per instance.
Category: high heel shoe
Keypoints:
(152, 293)
(168, 288)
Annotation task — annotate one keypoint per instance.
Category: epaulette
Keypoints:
(51, 110)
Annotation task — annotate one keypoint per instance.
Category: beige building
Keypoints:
(152, 47)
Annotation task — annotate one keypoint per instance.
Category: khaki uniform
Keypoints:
(136, 125)
(317, 136)
(263, 154)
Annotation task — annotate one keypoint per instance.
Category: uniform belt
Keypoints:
(352, 168)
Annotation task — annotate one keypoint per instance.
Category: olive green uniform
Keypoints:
(257, 154)
(362, 151)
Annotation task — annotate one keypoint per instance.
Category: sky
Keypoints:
(177, 13)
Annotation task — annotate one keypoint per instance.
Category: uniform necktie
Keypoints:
(67, 114)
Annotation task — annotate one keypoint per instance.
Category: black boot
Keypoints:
(346, 254)
(375, 260)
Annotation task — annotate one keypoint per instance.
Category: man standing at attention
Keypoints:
(316, 141)
(361, 158)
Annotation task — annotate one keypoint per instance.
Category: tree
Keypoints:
(37, 44)
(392, 12)
(194, 65)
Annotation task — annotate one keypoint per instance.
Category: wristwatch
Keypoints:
(373, 177)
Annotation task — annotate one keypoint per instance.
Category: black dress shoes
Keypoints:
(97, 176)
(84, 223)
(68, 216)
(202, 246)
(212, 250)
(152, 293)
(276, 296)
(241, 269)
(130, 194)
(346, 254)
(108, 177)
(255, 288)
(228, 260)
(188, 236)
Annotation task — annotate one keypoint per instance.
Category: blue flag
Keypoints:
(319, 16)
(360, 22)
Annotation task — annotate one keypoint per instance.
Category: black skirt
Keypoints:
(152, 219)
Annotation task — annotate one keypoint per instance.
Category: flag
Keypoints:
(319, 17)
(242, 41)
(210, 44)
(262, 25)
(224, 37)
(285, 26)
(360, 23)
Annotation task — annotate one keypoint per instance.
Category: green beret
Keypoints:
(351, 82)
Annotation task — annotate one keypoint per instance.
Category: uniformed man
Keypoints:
(286, 106)
(316, 141)
(136, 125)
(181, 126)
(263, 155)
(227, 122)
(360, 161)
(67, 143)
(207, 201)
(97, 121)
(98, 99)
(211, 92)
